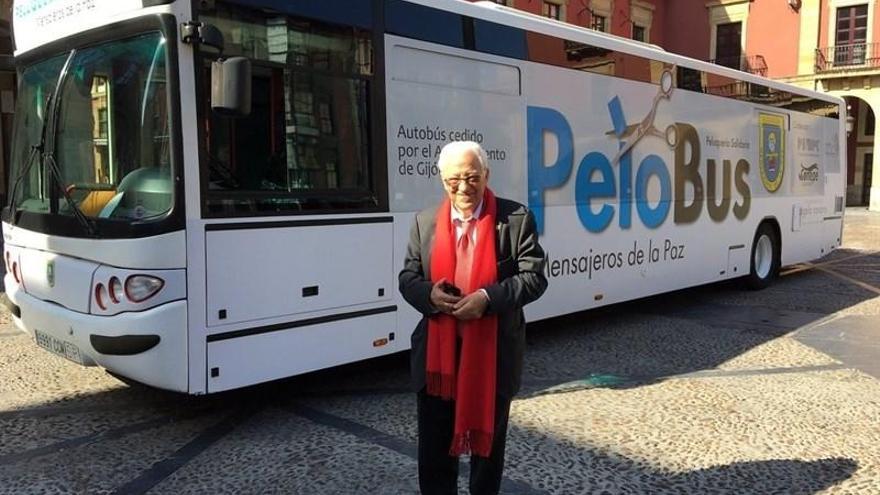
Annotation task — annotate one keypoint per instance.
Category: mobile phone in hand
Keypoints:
(450, 289)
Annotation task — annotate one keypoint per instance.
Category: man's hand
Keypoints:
(443, 301)
(471, 306)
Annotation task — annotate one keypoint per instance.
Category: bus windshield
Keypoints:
(111, 150)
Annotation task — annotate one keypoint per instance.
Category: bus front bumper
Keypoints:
(148, 346)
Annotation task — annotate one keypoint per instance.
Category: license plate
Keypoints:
(58, 346)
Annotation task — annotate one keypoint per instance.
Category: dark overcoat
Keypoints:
(521, 280)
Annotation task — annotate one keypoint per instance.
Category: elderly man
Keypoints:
(472, 263)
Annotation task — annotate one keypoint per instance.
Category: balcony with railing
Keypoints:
(848, 58)
(753, 64)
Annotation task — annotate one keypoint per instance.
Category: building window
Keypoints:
(851, 33)
(639, 33)
(325, 118)
(641, 14)
(553, 10)
(102, 123)
(598, 23)
(728, 47)
(852, 25)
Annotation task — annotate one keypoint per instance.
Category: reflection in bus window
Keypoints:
(584, 57)
(113, 122)
(305, 145)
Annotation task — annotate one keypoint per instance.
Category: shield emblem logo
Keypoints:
(50, 273)
(772, 148)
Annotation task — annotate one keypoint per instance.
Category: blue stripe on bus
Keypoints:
(344, 12)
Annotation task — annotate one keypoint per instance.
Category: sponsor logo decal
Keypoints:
(809, 174)
(832, 147)
(808, 146)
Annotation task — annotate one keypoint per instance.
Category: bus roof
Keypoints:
(37, 22)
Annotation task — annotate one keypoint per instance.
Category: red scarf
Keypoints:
(472, 383)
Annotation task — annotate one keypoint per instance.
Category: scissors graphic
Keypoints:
(634, 133)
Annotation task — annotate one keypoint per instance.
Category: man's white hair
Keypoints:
(457, 147)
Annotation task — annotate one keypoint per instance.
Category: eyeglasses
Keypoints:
(471, 180)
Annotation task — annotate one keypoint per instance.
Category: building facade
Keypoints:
(838, 54)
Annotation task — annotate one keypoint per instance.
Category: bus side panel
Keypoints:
(678, 208)
(547, 139)
(815, 184)
(835, 157)
(263, 273)
(440, 94)
(242, 361)
(636, 189)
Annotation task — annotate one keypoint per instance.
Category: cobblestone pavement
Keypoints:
(709, 390)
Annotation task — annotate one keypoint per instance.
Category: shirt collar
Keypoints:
(456, 215)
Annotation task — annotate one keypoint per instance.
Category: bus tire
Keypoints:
(764, 261)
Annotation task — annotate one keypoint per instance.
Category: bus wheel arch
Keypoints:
(765, 255)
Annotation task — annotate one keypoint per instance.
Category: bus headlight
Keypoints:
(123, 291)
(139, 288)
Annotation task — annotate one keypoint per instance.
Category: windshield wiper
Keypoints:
(47, 146)
(49, 159)
(36, 155)
(49, 152)
(36, 151)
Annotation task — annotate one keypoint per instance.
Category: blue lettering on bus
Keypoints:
(597, 188)
(586, 190)
(618, 120)
(653, 217)
(587, 187)
(542, 177)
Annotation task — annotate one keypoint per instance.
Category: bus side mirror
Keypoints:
(231, 86)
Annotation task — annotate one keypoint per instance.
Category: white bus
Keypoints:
(200, 225)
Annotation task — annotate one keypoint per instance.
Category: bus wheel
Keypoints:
(765, 257)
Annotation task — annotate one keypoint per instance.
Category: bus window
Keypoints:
(424, 23)
(498, 39)
(305, 146)
(124, 99)
(36, 84)
(113, 122)
(581, 56)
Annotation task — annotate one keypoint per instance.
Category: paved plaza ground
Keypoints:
(710, 390)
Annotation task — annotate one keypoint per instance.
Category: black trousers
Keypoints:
(438, 471)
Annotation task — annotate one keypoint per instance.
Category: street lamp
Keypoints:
(850, 120)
